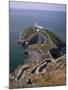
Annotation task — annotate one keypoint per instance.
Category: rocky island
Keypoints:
(45, 59)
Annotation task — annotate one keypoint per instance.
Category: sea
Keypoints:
(19, 19)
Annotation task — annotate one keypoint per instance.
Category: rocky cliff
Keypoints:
(46, 61)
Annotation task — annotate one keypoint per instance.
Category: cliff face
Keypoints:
(41, 44)
(45, 59)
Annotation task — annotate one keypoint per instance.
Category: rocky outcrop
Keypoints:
(28, 72)
(41, 64)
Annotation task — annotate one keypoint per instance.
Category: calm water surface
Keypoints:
(19, 19)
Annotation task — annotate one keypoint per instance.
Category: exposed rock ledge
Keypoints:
(46, 62)
(30, 75)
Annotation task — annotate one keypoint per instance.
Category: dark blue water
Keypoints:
(16, 52)
(19, 19)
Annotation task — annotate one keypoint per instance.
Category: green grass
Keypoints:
(44, 32)
(54, 37)
(28, 32)
(43, 47)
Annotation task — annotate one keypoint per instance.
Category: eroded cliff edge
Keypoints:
(45, 60)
